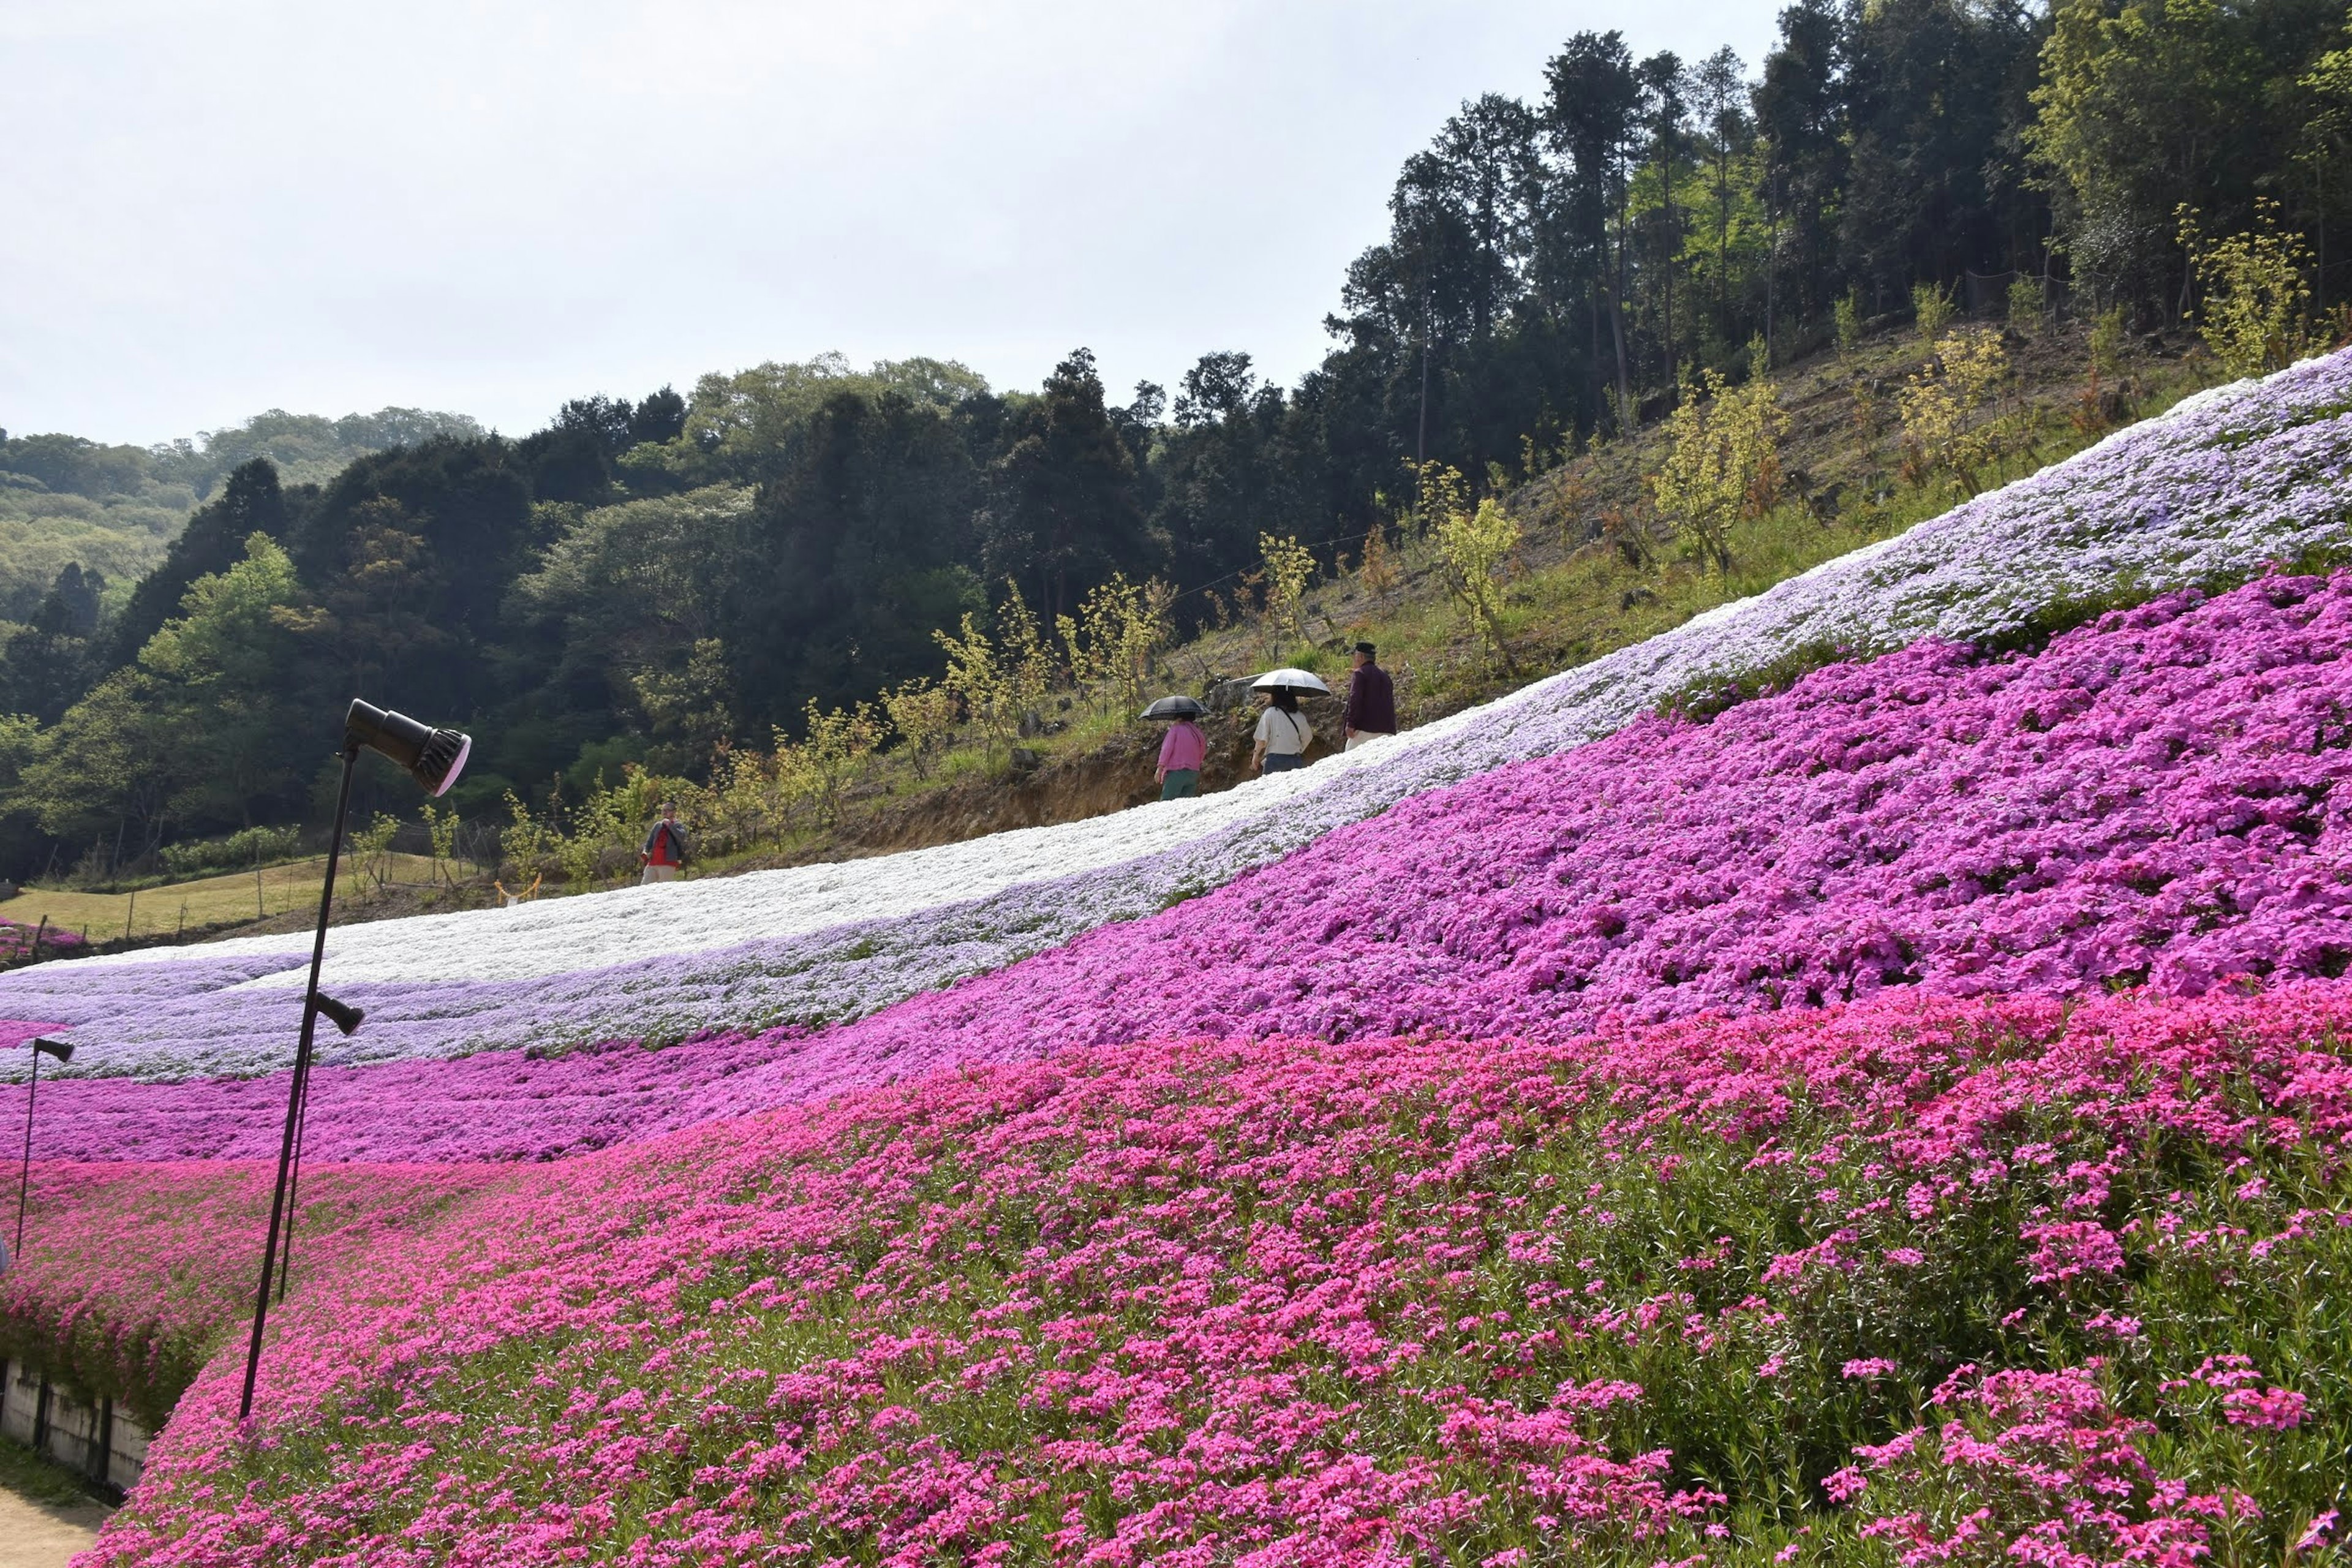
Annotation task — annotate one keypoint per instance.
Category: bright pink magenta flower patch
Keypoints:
(1289, 1300)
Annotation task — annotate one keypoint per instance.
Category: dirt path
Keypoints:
(35, 1535)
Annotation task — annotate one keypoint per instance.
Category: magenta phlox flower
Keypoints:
(1232, 1287)
(2072, 1249)
(2055, 1475)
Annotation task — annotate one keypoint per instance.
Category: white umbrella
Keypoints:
(1291, 680)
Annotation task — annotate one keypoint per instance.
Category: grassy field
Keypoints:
(35, 1478)
(153, 912)
(1572, 594)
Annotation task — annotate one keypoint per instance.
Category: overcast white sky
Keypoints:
(210, 209)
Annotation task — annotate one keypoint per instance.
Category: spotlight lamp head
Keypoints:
(433, 758)
(342, 1015)
(61, 1049)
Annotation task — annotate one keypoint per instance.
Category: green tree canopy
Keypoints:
(2149, 106)
(1061, 512)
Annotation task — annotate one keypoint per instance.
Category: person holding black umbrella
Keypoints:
(1184, 750)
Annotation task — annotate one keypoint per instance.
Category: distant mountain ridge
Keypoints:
(68, 501)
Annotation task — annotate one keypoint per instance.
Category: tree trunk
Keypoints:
(1624, 387)
(1666, 177)
(1421, 438)
(1617, 306)
(1592, 365)
(1722, 245)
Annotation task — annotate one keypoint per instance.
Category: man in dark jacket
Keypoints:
(1371, 699)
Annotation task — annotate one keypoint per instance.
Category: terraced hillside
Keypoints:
(1856, 1075)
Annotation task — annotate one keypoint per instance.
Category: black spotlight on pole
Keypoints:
(42, 1046)
(433, 758)
(342, 1014)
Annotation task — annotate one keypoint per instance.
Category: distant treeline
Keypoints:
(642, 576)
(68, 501)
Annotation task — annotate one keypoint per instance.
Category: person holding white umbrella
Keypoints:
(1283, 732)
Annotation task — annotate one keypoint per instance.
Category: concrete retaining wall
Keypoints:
(92, 1438)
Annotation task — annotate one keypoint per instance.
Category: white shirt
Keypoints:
(1284, 734)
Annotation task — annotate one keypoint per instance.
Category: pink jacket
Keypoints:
(1185, 747)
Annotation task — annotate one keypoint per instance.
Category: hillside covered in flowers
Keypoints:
(1857, 1078)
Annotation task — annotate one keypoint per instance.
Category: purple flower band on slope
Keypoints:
(2155, 800)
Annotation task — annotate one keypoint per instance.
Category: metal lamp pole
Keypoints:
(433, 758)
(300, 1081)
(346, 1018)
(63, 1051)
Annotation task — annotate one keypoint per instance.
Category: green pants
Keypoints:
(1180, 783)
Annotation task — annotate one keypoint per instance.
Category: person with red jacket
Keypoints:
(664, 855)
(1370, 707)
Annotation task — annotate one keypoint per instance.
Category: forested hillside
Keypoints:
(665, 579)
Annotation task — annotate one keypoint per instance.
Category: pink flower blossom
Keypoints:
(2277, 1409)
(2073, 1248)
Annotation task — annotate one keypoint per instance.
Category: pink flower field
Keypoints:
(1943, 1278)
(18, 941)
(1902, 1118)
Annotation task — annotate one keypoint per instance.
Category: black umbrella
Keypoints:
(1175, 708)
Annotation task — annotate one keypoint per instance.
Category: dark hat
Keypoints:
(1368, 650)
